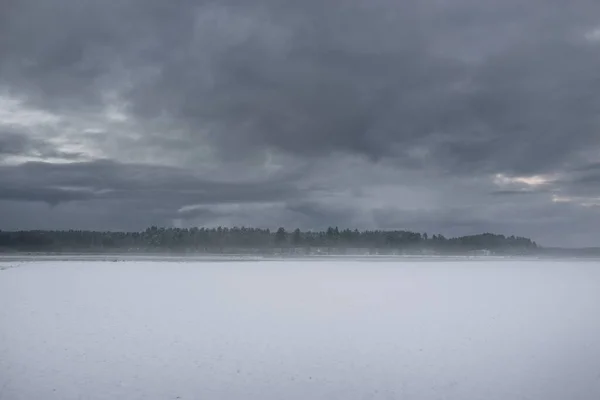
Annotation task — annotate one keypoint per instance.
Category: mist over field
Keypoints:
(336, 329)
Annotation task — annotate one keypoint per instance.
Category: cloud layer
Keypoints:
(447, 116)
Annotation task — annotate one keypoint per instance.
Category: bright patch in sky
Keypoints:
(561, 199)
(593, 35)
(533, 180)
(14, 112)
(582, 201)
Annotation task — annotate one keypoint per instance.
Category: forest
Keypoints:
(257, 240)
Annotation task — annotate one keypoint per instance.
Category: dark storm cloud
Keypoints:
(52, 196)
(587, 186)
(17, 143)
(169, 186)
(481, 84)
(13, 143)
(436, 97)
(588, 167)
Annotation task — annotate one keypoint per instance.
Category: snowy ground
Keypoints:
(299, 330)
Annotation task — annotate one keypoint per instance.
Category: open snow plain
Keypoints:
(336, 329)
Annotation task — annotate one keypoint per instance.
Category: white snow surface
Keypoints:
(336, 329)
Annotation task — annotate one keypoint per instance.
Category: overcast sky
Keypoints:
(444, 116)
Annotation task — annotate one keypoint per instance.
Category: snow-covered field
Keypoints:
(275, 330)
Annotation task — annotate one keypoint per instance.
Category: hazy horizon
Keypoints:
(290, 232)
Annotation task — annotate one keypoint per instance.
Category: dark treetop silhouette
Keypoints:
(253, 240)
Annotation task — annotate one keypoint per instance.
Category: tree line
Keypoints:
(251, 240)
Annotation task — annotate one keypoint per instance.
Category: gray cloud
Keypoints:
(53, 183)
(304, 113)
(15, 143)
(517, 192)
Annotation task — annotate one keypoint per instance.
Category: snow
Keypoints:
(335, 329)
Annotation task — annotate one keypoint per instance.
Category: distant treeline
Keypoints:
(252, 240)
